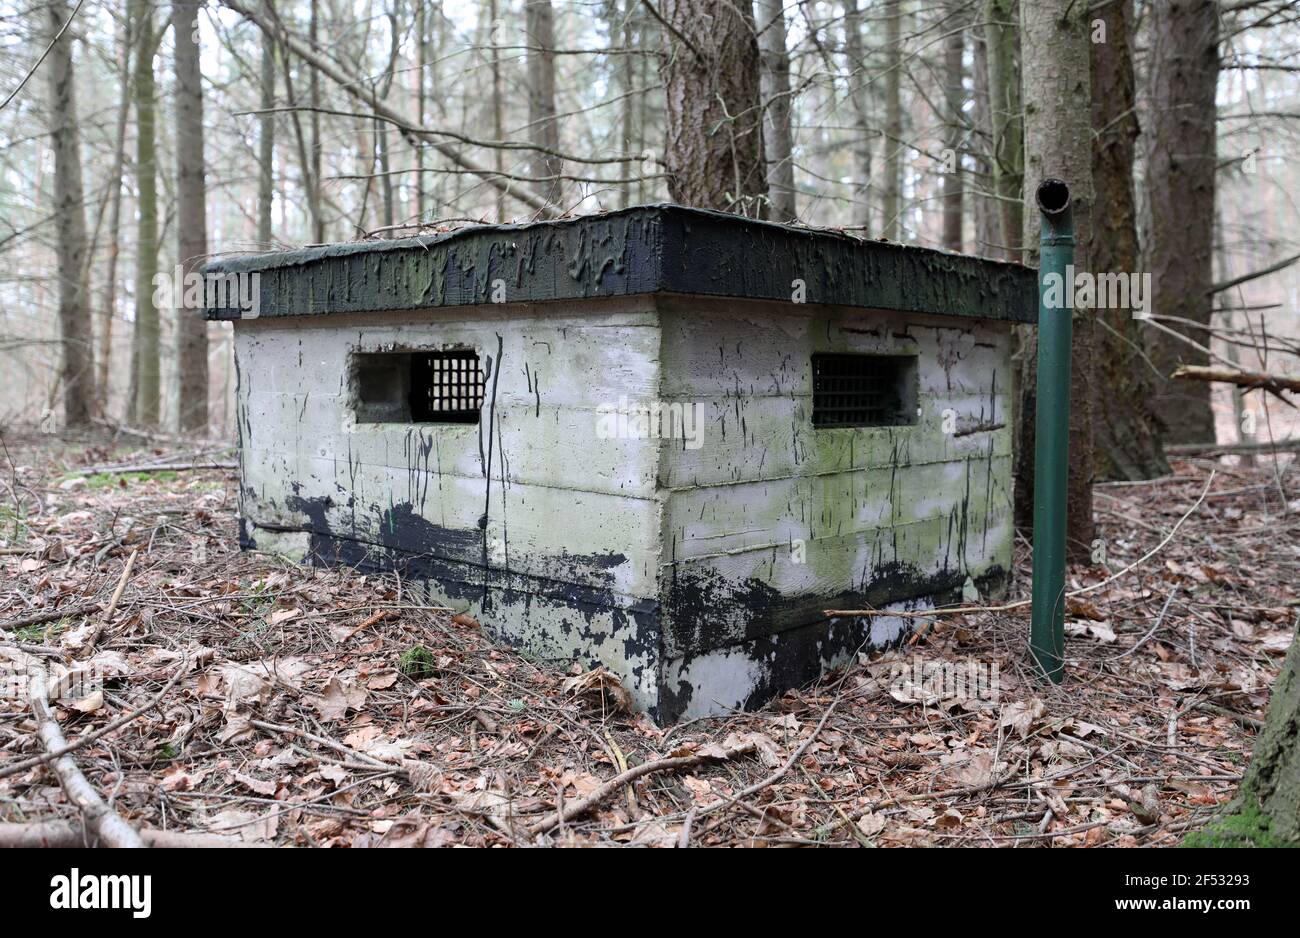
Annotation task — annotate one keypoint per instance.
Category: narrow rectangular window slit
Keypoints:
(863, 390)
(417, 387)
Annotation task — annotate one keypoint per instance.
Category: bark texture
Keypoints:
(1058, 142)
(892, 203)
(191, 217)
(266, 143)
(710, 72)
(76, 372)
(1180, 170)
(543, 127)
(861, 100)
(1006, 118)
(954, 93)
(779, 141)
(145, 346)
(1128, 431)
(1266, 810)
(108, 303)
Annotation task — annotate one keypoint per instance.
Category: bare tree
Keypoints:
(860, 100)
(1058, 143)
(954, 50)
(145, 403)
(75, 331)
(1006, 116)
(494, 29)
(710, 71)
(266, 141)
(1180, 179)
(779, 139)
(108, 304)
(191, 216)
(543, 128)
(1128, 430)
(314, 100)
(892, 206)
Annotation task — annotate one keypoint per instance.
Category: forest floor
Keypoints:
(280, 704)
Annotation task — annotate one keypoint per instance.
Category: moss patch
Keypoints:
(417, 663)
(1246, 827)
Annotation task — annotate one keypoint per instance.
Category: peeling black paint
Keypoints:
(704, 610)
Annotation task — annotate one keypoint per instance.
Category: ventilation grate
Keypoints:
(861, 390)
(446, 387)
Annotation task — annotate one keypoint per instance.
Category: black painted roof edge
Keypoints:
(650, 249)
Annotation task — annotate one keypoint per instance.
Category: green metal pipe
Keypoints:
(1052, 428)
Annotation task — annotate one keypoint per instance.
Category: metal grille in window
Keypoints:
(446, 387)
(861, 390)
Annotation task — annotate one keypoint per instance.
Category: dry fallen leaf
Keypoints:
(337, 698)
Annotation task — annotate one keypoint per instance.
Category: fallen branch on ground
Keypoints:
(64, 834)
(670, 764)
(48, 615)
(101, 821)
(158, 467)
(102, 731)
(107, 617)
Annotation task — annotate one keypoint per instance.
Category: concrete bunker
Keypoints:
(661, 440)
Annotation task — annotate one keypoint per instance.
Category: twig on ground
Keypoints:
(64, 834)
(88, 738)
(102, 823)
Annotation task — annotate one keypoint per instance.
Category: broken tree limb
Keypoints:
(48, 615)
(158, 467)
(1253, 275)
(670, 764)
(101, 821)
(64, 834)
(1249, 380)
(80, 741)
(354, 89)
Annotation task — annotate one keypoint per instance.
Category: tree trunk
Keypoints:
(626, 18)
(779, 141)
(191, 217)
(498, 101)
(857, 63)
(266, 144)
(954, 98)
(710, 72)
(422, 19)
(986, 212)
(1127, 430)
(1266, 810)
(77, 373)
(314, 207)
(1180, 168)
(1007, 118)
(543, 128)
(891, 206)
(108, 304)
(146, 338)
(1058, 142)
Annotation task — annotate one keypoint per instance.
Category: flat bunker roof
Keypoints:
(651, 249)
